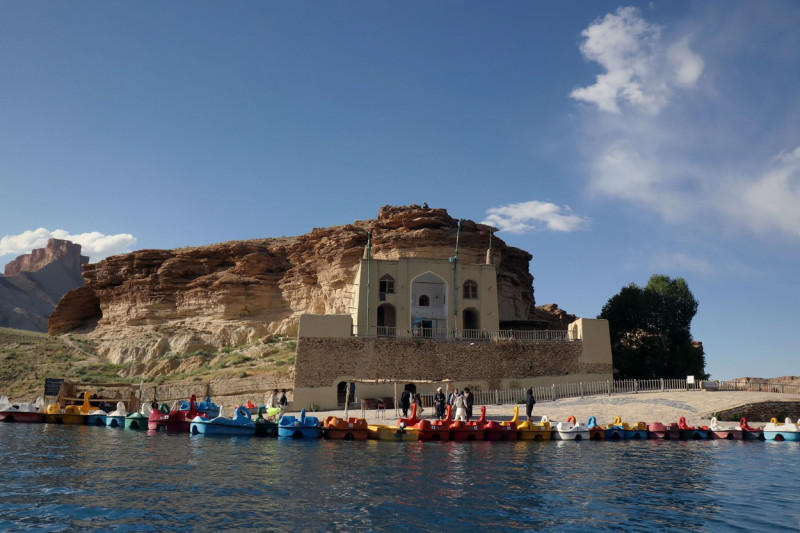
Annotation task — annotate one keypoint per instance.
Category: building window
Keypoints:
(387, 284)
(470, 290)
(424, 301)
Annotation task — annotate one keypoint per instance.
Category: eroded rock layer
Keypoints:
(150, 303)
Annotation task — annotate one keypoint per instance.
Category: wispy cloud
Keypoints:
(680, 262)
(641, 70)
(532, 216)
(771, 202)
(94, 244)
(664, 136)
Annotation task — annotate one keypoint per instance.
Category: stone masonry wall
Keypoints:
(322, 361)
(762, 411)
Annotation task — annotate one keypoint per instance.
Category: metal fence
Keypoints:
(480, 335)
(627, 386)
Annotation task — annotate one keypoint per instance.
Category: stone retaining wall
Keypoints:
(761, 412)
(321, 361)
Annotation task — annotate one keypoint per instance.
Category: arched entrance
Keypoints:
(341, 393)
(472, 319)
(387, 320)
(428, 306)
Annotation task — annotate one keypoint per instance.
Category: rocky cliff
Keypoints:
(151, 303)
(34, 283)
(57, 250)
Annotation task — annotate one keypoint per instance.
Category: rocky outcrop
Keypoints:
(34, 283)
(56, 250)
(149, 303)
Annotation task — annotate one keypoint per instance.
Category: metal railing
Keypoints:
(606, 388)
(480, 335)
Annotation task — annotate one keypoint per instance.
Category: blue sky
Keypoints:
(611, 140)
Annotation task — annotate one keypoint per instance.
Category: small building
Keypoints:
(432, 320)
(429, 298)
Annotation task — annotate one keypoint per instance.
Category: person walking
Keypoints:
(461, 408)
(530, 401)
(405, 402)
(282, 400)
(469, 400)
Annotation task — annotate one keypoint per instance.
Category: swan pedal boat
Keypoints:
(70, 414)
(21, 412)
(173, 420)
(304, 427)
(535, 431)
(116, 418)
(571, 430)
(750, 433)
(718, 431)
(500, 430)
(615, 430)
(96, 418)
(596, 431)
(461, 430)
(690, 432)
(138, 420)
(788, 431)
(240, 425)
(395, 433)
(349, 429)
(206, 408)
(430, 430)
(637, 431)
(658, 430)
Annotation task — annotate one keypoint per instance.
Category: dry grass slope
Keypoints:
(27, 358)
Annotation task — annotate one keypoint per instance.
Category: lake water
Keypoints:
(68, 478)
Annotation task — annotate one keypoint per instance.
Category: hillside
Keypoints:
(27, 358)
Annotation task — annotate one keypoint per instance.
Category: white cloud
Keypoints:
(771, 202)
(94, 244)
(529, 216)
(640, 70)
(629, 171)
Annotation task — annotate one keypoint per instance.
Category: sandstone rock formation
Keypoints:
(146, 304)
(34, 283)
(57, 250)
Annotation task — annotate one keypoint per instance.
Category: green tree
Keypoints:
(650, 330)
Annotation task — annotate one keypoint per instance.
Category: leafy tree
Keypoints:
(650, 330)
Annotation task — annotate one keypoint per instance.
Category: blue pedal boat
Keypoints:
(239, 425)
(96, 418)
(206, 407)
(305, 427)
(116, 419)
(788, 431)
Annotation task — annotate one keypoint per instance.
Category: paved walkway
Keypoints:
(695, 406)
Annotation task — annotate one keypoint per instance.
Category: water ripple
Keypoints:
(64, 478)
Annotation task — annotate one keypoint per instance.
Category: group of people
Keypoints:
(460, 402)
(407, 398)
(276, 401)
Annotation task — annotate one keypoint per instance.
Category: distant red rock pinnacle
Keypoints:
(59, 250)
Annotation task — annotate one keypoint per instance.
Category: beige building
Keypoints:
(430, 298)
(432, 322)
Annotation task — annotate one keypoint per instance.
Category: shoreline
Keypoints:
(697, 407)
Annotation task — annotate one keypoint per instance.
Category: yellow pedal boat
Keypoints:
(535, 431)
(395, 433)
(69, 414)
